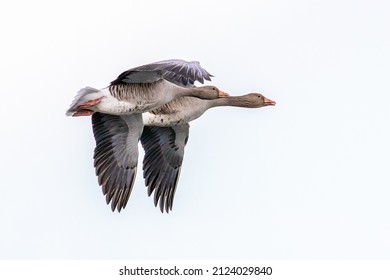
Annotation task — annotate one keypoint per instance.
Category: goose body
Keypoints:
(185, 109)
(126, 99)
(144, 88)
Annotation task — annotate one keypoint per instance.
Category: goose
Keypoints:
(144, 88)
(135, 91)
(165, 135)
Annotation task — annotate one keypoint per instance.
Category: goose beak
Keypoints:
(223, 94)
(268, 102)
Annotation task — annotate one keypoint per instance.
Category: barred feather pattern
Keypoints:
(139, 91)
(179, 111)
(178, 104)
(145, 97)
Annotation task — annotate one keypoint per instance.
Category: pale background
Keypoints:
(306, 179)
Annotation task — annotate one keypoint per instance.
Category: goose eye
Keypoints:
(213, 88)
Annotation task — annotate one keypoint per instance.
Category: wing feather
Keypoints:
(116, 155)
(177, 71)
(164, 152)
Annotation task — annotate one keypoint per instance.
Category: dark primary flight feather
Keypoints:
(177, 71)
(116, 155)
(164, 151)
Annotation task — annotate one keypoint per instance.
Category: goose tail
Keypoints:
(82, 95)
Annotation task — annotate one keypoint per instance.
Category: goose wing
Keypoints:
(164, 152)
(177, 71)
(116, 155)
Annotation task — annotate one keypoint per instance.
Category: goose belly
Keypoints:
(111, 105)
(164, 120)
(114, 106)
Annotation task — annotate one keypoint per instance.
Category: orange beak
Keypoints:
(268, 102)
(223, 94)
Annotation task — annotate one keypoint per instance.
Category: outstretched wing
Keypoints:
(164, 151)
(177, 71)
(116, 155)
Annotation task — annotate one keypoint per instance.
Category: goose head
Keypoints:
(210, 92)
(255, 100)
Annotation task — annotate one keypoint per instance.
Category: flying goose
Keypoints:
(145, 88)
(166, 133)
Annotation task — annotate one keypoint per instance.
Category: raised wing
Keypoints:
(116, 155)
(164, 151)
(138, 77)
(177, 71)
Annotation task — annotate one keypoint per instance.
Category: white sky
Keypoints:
(308, 178)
